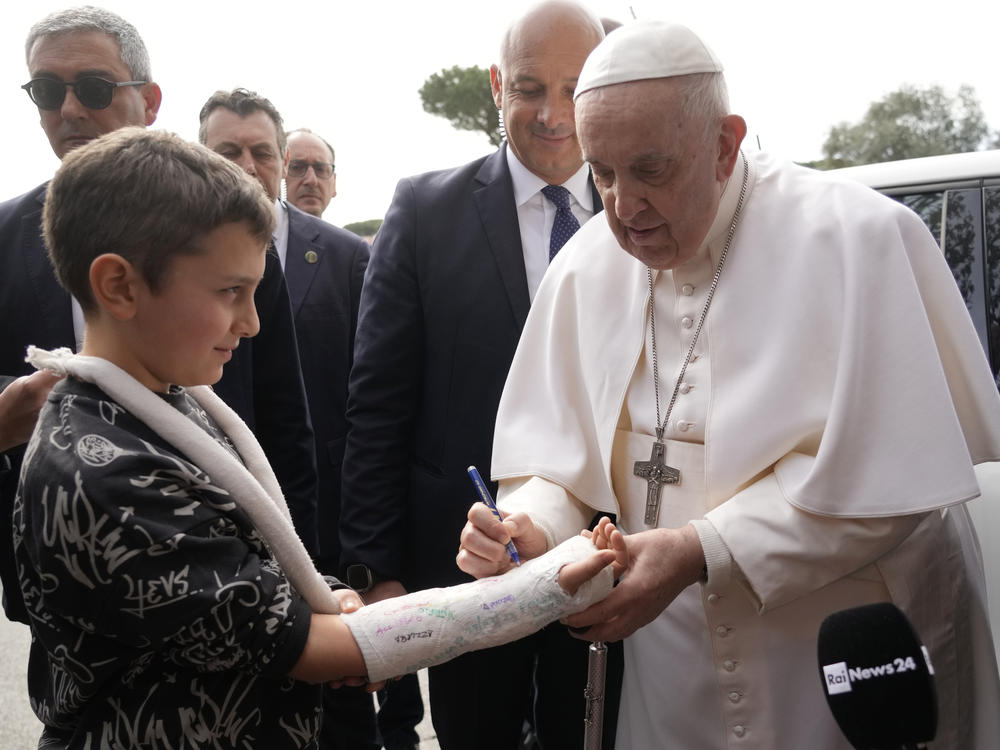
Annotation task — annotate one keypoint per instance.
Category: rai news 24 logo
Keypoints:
(839, 677)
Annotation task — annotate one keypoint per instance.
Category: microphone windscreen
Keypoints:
(877, 677)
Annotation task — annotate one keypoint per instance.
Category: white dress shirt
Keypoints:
(280, 236)
(536, 213)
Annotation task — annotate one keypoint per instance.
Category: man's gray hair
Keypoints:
(706, 97)
(244, 103)
(90, 18)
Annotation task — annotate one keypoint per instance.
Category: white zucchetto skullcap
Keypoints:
(646, 49)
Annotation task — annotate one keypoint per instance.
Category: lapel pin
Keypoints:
(311, 256)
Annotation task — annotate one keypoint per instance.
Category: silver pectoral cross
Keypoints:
(656, 473)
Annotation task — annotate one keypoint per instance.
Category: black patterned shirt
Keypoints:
(159, 618)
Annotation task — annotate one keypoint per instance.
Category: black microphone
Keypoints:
(877, 678)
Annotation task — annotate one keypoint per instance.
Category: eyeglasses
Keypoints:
(91, 91)
(298, 168)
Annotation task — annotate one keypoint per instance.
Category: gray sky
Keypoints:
(350, 70)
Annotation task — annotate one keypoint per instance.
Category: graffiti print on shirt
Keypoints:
(159, 618)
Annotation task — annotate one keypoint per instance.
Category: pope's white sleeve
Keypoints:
(554, 510)
(781, 552)
(401, 635)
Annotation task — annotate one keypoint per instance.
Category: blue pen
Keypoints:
(487, 498)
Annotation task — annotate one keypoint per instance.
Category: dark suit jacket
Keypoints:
(324, 269)
(443, 305)
(262, 382)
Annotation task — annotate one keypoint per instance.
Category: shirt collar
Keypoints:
(711, 247)
(715, 240)
(280, 235)
(527, 184)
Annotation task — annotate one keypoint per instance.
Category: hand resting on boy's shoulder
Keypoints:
(19, 405)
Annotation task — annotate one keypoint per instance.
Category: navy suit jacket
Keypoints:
(442, 308)
(324, 270)
(262, 382)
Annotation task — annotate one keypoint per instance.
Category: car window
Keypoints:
(991, 210)
(928, 206)
(955, 218)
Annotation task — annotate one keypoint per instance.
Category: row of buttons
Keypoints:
(729, 665)
(686, 322)
(687, 290)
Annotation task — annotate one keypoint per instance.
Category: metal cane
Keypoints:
(593, 720)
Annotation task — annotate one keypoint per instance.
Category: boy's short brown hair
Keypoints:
(148, 196)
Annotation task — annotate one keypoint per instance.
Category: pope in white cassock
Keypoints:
(777, 388)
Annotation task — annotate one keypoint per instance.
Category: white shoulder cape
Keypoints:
(843, 359)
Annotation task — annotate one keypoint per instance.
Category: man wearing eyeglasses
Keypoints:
(311, 177)
(310, 185)
(324, 268)
(90, 75)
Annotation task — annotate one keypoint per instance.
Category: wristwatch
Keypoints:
(360, 577)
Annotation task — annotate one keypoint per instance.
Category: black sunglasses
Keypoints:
(91, 91)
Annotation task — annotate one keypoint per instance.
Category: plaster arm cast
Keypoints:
(403, 634)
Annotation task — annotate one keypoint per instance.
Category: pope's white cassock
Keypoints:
(826, 431)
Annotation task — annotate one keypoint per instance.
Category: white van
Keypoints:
(958, 197)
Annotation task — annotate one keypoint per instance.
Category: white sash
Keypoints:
(252, 486)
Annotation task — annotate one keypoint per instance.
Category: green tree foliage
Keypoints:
(366, 228)
(463, 96)
(908, 123)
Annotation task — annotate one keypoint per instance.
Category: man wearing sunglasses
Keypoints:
(311, 178)
(90, 75)
(76, 111)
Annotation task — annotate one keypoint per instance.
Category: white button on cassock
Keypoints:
(687, 322)
(739, 730)
(687, 290)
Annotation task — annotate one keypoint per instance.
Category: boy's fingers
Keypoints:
(574, 575)
(349, 600)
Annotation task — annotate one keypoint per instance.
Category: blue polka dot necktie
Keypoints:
(565, 223)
